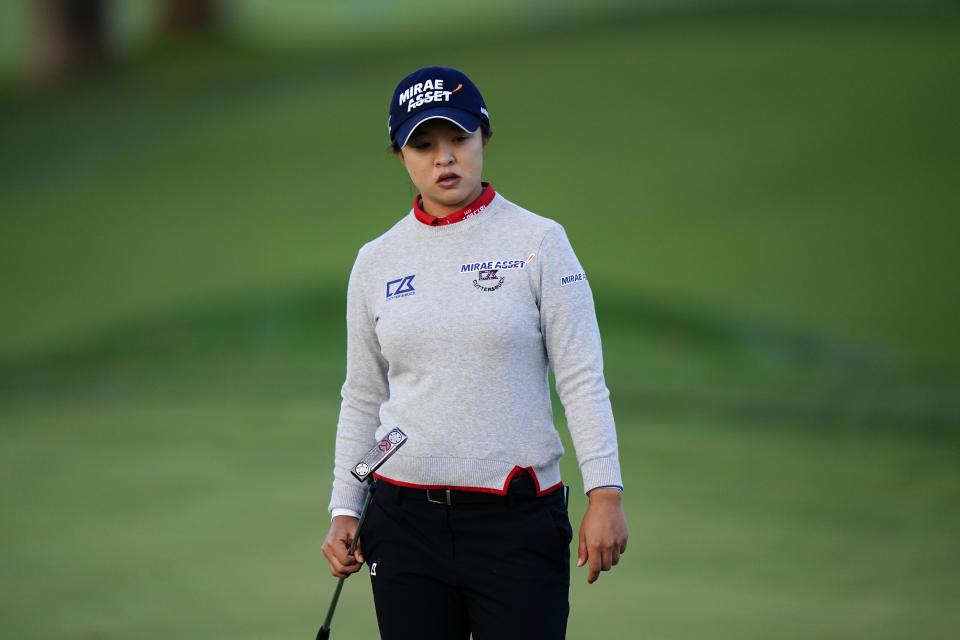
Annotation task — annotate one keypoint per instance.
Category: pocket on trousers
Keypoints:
(553, 522)
(561, 523)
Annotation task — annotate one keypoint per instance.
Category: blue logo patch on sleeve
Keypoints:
(573, 277)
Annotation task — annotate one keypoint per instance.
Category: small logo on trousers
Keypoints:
(373, 569)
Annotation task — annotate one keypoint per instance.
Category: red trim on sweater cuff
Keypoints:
(475, 207)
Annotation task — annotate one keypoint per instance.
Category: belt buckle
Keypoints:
(445, 500)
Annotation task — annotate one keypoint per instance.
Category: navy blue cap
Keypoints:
(435, 92)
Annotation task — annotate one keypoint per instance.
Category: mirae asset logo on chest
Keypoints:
(492, 264)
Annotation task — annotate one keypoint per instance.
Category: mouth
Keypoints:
(448, 179)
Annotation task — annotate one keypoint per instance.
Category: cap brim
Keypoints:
(466, 121)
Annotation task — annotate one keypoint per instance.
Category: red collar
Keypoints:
(475, 207)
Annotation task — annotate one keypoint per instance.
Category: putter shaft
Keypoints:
(363, 471)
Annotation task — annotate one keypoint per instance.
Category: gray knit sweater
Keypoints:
(450, 330)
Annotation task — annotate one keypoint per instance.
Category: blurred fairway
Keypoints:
(765, 207)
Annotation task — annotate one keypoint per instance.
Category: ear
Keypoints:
(399, 154)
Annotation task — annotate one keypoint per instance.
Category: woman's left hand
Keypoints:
(603, 532)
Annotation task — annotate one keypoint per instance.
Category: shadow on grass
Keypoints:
(661, 360)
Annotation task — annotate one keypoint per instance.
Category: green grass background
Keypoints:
(765, 205)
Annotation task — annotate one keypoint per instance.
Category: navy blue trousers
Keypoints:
(499, 570)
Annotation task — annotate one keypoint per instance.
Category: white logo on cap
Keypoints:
(425, 92)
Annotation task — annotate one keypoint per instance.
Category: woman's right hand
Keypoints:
(338, 542)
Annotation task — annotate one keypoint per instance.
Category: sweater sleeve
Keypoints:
(569, 326)
(364, 390)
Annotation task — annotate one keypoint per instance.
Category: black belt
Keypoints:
(520, 490)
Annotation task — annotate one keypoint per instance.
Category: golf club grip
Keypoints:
(324, 631)
(363, 516)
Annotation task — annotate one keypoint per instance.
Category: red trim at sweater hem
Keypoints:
(502, 492)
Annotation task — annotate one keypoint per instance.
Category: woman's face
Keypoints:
(445, 163)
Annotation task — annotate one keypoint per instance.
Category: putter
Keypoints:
(363, 471)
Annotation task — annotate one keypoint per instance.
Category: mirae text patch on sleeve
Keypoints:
(573, 278)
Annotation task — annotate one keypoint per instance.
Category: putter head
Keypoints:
(323, 634)
(379, 454)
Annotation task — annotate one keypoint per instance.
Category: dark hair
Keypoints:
(485, 132)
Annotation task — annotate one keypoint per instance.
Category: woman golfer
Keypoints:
(453, 317)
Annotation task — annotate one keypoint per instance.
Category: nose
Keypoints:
(444, 155)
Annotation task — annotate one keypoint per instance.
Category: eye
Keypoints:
(420, 145)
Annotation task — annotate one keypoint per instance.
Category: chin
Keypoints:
(451, 198)
(457, 199)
